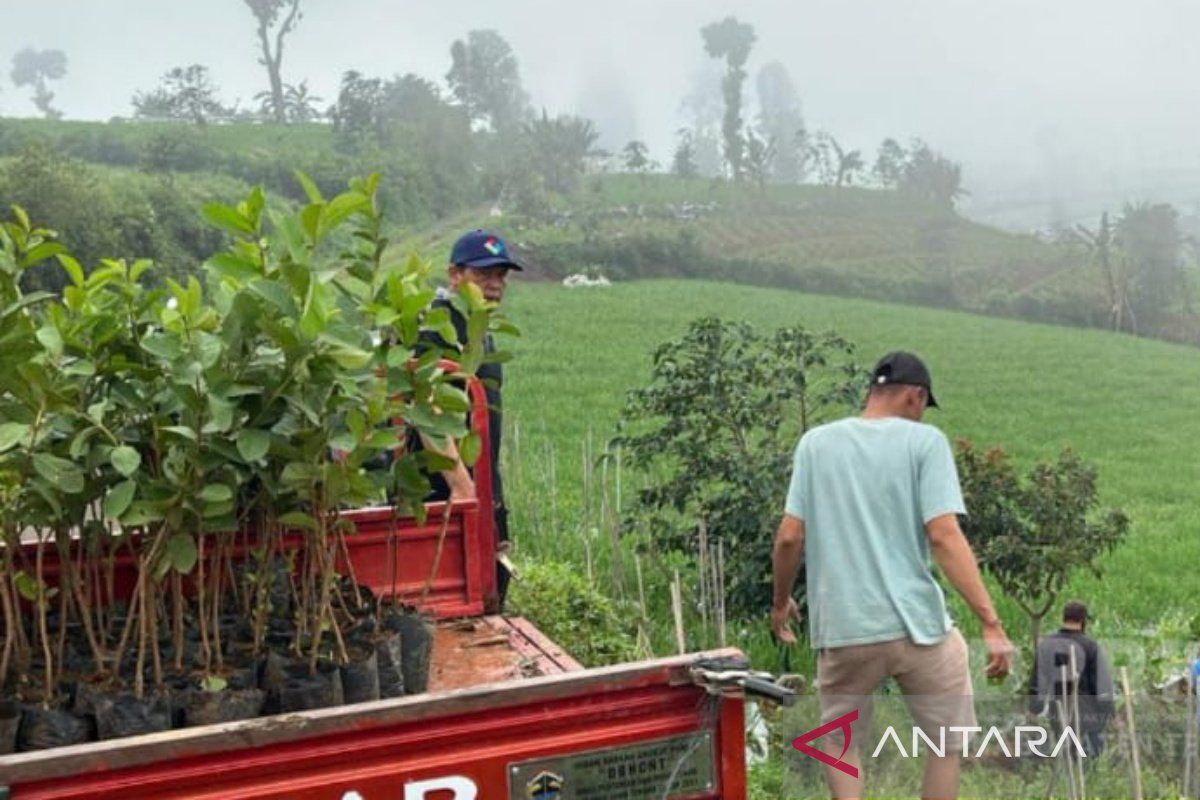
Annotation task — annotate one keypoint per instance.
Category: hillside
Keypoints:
(1123, 403)
(850, 242)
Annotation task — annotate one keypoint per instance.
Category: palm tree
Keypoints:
(299, 105)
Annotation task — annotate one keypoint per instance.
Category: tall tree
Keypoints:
(835, 165)
(33, 68)
(761, 153)
(780, 121)
(185, 93)
(731, 40)
(889, 164)
(931, 176)
(1149, 236)
(559, 148)
(702, 107)
(637, 156)
(485, 77)
(683, 163)
(1113, 266)
(276, 19)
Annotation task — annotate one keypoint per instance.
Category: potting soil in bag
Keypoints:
(228, 705)
(10, 720)
(389, 664)
(127, 715)
(42, 729)
(360, 677)
(417, 646)
(302, 691)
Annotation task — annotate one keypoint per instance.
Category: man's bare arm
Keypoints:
(786, 557)
(953, 554)
(458, 479)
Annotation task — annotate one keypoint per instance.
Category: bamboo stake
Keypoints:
(721, 592)
(1064, 714)
(677, 611)
(1133, 742)
(1189, 738)
(1078, 721)
(704, 569)
(637, 565)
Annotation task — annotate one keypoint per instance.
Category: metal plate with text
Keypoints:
(662, 769)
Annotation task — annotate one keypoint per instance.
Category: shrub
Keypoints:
(572, 612)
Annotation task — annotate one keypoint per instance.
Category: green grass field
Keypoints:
(1125, 404)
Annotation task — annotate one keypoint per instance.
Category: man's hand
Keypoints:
(999, 650)
(781, 621)
(460, 483)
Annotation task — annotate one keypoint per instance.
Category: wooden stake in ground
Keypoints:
(1133, 741)
(721, 592)
(1189, 736)
(702, 532)
(1077, 723)
(677, 611)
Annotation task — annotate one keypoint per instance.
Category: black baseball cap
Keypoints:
(480, 249)
(903, 369)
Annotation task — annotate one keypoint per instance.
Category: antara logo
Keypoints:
(842, 723)
(1026, 739)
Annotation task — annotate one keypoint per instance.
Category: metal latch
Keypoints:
(719, 678)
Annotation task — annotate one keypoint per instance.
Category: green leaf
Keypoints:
(213, 683)
(163, 345)
(27, 586)
(276, 294)
(12, 434)
(253, 444)
(310, 220)
(125, 459)
(118, 498)
(339, 209)
(81, 368)
(139, 268)
(50, 339)
(182, 430)
(216, 493)
(227, 219)
(313, 318)
(41, 252)
(298, 519)
(469, 448)
(72, 268)
(451, 398)
(58, 472)
(180, 552)
(231, 265)
(310, 188)
(139, 514)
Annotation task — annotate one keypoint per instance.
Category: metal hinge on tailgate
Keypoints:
(720, 675)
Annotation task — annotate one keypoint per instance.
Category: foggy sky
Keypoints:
(1055, 107)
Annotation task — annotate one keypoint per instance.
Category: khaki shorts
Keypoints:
(935, 679)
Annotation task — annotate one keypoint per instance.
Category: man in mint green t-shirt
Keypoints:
(873, 499)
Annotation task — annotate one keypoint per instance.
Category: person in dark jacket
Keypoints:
(482, 259)
(1069, 662)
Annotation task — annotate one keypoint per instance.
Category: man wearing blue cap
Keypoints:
(480, 258)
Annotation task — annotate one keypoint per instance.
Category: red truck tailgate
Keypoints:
(632, 731)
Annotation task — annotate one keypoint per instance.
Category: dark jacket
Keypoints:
(1052, 679)
(492, 377)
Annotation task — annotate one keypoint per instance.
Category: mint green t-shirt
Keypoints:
(865, 489)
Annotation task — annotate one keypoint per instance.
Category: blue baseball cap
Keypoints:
(479, 248)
